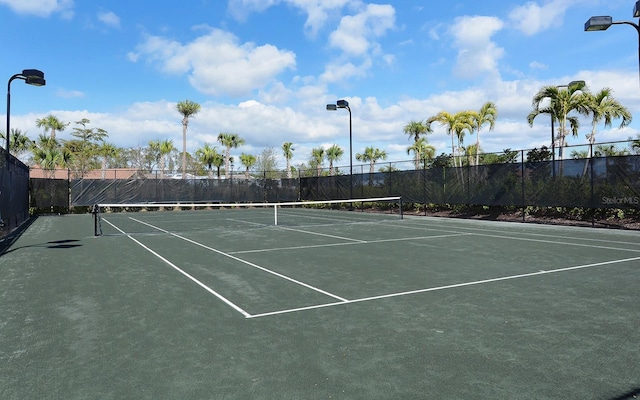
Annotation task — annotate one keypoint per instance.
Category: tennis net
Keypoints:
(181, 217)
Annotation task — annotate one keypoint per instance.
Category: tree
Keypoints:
(423, 152)
(248, 160)
(84, 147)
(317, 157)
(218, 162)
(51, 124)
(455, 124)
(415, 129)
(50, 158)
(187, 109)
(371, 155)
(287, 149)
(107, 152)
(19, 143)
(486, 115)
(603, 106)
(333, 153)
(561, 103)
(229, 141)
(535, 155)
(207, 155)
(267, 162)
(165, 148)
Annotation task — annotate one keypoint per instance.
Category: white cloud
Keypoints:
(317, 10)
(356, 33)
(532, 18)
(336, 72)
(538, 65)
(40, 8)
(70, 94)
(477, 53)
(109, 18)
(216, 63)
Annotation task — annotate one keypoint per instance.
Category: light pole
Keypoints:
(333, 107)
(602, 23)
(31, 77)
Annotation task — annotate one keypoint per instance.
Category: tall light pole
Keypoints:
(31, 77)
(602, 23)
(333, 107)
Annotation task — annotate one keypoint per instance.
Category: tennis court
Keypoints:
(317, 304)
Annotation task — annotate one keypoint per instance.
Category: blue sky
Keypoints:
(265, 69)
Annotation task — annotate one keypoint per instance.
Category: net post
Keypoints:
(401, 212)
(275, 214)
(97, 227)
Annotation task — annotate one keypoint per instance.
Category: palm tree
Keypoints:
(19, 142)
(165, 148)
(287, 149)
(486, 115)
(334, 153)
(415, 129)
(371, 155)
(455, 124)
(422, 151)
(208, 155)
(107, 152)
(603, 106)
(229, 141)
(187, 109)
(561, 103)
(50, 158)
(317, 157)
(248, 160)
(52, 124)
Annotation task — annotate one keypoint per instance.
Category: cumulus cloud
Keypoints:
(41, 8)
(356, 33)
(217, 64)
(477, 53)
(532, 17)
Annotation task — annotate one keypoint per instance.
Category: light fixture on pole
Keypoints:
(602, 23)
(31, 77)
(334, 107)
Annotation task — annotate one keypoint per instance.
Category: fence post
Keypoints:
(522, 172)
(68, 191)
(593, 193)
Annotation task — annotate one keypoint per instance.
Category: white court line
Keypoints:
(202, 285)
(533, 240)
(244, 261)
(410, 219)
(323, 234)
(315, 246)
(453, 286)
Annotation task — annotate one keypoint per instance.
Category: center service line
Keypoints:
(244, 261)
(202, 285)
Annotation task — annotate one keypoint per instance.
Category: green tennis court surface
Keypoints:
(338, 305)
